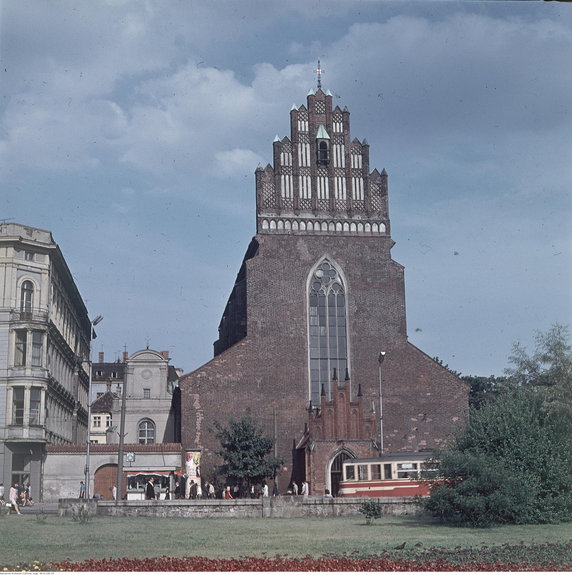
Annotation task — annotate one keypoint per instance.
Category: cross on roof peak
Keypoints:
(319, 71)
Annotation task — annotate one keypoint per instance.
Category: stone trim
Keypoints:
(292, 225)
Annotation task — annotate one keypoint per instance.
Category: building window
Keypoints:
(21, 348)
(35, 405)
(323, 153)
(26, 300)
(37, 347)
(327, 330)
(97, 421)
(146, 431)
(147, 393)
(108, 421)
(17, 406)
(29, 256)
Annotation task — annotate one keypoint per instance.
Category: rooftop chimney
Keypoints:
(101, 357)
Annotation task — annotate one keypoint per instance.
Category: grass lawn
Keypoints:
(25, 539)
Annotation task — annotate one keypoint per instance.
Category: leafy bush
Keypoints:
(512, 463)
(371, 510)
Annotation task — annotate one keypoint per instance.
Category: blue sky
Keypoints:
(131, 130)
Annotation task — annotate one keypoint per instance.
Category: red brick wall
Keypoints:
(267, 371)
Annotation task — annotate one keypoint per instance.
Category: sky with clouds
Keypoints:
(131, 130)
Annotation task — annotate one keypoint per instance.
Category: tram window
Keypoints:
(350, 472)
(387, 471)
(362, 471)
(405, 470)
(376, 471)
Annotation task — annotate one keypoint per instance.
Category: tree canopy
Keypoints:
(512, 461)
(246, 452)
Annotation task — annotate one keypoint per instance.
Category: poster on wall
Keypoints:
(193, 473)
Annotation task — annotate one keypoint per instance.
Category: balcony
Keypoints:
(34, 316)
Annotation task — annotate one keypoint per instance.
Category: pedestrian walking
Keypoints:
(14, 498)
(150, 489)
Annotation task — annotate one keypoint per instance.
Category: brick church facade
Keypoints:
(316, 300)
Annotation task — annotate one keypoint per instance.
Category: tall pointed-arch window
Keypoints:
(26, 299)
(327, 329)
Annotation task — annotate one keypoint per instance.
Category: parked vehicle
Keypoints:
(393, 475)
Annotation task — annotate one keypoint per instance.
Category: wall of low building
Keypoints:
(63, 470)
(271, 507)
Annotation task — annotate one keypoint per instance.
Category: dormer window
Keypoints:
(323, 153)
(323, 146)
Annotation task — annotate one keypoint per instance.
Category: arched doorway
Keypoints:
(104, 480)
(336, 470)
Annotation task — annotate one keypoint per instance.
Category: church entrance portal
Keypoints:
(336, 471)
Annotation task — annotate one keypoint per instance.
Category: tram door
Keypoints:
(336, 471)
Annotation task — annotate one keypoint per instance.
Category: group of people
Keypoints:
(18, 496)
(304, 489)
(185, 488)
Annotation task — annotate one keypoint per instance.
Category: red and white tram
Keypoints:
(393, 475)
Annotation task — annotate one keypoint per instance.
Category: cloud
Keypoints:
(236, 162)
(143, 122)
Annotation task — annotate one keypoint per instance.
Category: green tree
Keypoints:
(548, 369)
(246, 452)
(512, 461)
(483, 388)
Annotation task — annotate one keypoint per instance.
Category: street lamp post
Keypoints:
(92, 336)
(121, 447)
(380, 361)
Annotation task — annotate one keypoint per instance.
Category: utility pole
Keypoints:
(92, 336)
(121, 447)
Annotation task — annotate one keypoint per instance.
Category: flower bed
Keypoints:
(547, 557)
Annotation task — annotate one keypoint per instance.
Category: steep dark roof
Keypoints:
(104, 403)
(106, 370)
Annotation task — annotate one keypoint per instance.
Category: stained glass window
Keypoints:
(327, 330)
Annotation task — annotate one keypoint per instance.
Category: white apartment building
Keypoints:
(44, 354)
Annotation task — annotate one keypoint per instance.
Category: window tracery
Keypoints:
(327, 329)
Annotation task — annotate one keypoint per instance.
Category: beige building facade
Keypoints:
(44, 354)
(149, 381)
